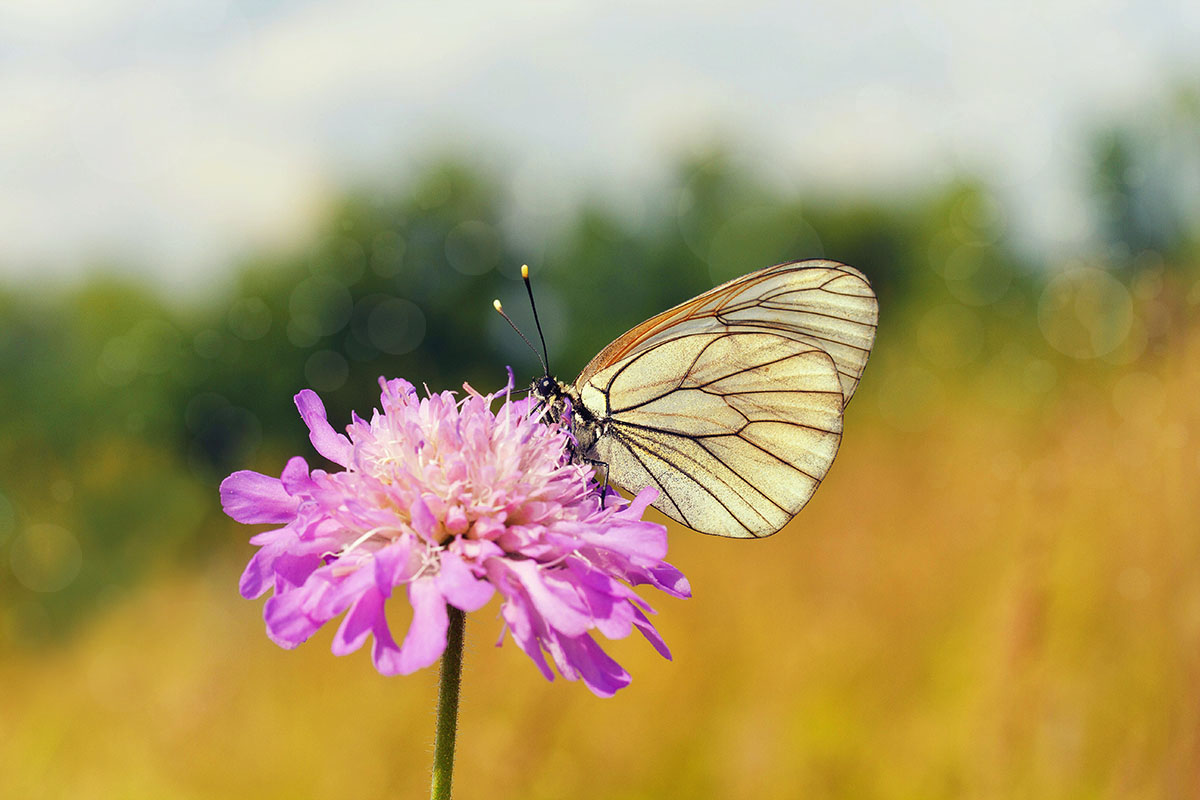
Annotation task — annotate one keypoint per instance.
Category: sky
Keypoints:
(173, 136)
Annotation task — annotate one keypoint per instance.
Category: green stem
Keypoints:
(447, 713)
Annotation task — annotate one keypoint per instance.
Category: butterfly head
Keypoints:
(554, 397)
(547, 389)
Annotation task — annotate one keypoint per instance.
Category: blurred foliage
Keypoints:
(1011, 609)
(992, 601)
(1145, 180)
(123, 410)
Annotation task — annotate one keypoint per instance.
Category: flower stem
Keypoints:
(447, 713)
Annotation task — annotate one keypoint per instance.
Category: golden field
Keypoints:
(994, 595)
(207, 207)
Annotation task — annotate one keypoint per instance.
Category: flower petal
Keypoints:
(423, 521)
(455, 502)
(288, 623)
(392, 565)
(637, 507)
(665, 577)
(560, 611)
(395, 393)
(651, 633)
(295, 477)
(609, 608)
(334, 446)
(599, 672)
(344, 584)
(360, 621)
(259, 573)
(518, 616)
(385, 654)
(426, 638)
(638, 540)
(253, 498)
(459, 585)
(292, 568)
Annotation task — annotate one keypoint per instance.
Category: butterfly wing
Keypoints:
(823, 304)
(736, 429)
(731, 403)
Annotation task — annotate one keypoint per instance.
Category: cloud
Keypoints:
(180, 132)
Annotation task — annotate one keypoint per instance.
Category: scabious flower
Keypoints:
(448, 502)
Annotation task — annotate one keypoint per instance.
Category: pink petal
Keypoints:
(395, 393)
(553, 644)
(363, 618)
(345, 583)
(651, 634)
(456, 518)
(392, 566)
(599, 672)
(459, 585)
(259, 573)
(606, 603)
(293, 568)
(295, 477)
(334, 446)
(562, 561)
(665, 577)
(426, 638)
(423, 521)
(517, 616)
(560, 613)
(488, 528)
(477, 550)
(288, 623)
(367, 617)
(280, 537)
(637, 507)
(385, 654)
(640, 540)
(253, 498)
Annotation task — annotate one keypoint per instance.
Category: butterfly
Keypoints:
(731, 403)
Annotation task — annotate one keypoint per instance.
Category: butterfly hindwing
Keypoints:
(735, 427)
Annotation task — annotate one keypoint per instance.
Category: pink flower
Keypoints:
(448, 502)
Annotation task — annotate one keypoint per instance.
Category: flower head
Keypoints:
(448, 502)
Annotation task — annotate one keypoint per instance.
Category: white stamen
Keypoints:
(430, 559)
(374, 531)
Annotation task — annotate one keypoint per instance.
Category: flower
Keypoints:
(450, 503)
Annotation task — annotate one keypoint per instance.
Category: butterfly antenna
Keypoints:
(536, 321)
(499, 308)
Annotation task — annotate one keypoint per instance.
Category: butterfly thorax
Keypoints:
(562, 403)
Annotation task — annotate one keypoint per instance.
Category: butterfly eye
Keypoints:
(546, 386)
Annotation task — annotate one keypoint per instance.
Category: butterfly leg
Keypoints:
(595, 462)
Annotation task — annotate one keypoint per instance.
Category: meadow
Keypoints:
(993, 594)
(998, 600)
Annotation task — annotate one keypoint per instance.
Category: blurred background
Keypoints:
(207, 205)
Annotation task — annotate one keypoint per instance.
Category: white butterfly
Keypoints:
(729, 404)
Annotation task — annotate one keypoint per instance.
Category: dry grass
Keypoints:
(1003, 604)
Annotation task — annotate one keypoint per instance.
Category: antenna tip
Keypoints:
(525, 271)
(496, 305)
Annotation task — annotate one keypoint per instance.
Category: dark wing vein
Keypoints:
(790, 296)
(706, 420)
(633, 443)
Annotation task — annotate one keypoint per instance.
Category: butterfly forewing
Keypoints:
(735, 427)
(823, 304)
